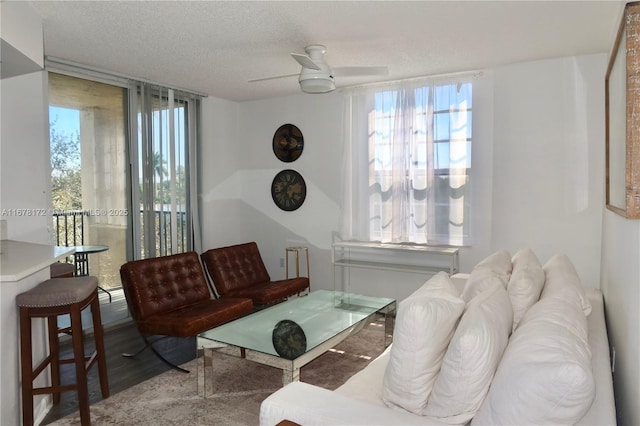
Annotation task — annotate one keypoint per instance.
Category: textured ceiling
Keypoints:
(215, 47)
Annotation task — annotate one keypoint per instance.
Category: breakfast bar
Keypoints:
(23, 265)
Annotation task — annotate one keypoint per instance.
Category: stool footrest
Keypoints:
(73, 361)
(55, 389)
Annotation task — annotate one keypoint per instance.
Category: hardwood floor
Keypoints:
(123, 372)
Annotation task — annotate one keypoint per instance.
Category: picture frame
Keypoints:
(622, 124)
(288, 143)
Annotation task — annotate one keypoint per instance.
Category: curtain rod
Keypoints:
(119, 76)
(472, 74)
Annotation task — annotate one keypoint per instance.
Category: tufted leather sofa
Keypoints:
(170, 296)
(238, 271)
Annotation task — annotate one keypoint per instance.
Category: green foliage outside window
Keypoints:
(66, 188)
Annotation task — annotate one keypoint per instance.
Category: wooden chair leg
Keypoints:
(54, 353)
(26, 362)
(98, 333)
(81, 370)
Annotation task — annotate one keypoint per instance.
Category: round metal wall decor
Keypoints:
(288, 143)
(288, 190)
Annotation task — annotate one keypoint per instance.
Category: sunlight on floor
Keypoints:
(337, 351)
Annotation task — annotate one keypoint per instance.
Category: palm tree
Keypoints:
(159, 166)
(160, 171)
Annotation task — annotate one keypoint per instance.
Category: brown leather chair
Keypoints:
(238, 271)
(169, 296)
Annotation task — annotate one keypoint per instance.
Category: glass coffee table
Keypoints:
(305, 328)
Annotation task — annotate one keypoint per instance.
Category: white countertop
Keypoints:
(19, 259)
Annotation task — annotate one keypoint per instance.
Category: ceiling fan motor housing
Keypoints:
(316, 76)
(316, 81)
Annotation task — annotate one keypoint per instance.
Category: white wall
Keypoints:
(621, 288)
(25, 181)
(238, 166)
(22, 28)
(548, 165)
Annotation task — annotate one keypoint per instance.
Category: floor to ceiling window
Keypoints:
(88, 139)
(165, 129)
(122, 156)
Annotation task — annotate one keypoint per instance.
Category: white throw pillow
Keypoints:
(525, 284)
(479, 281)
(500, 263)
(492, 269)
(425, 323)
(545, 374)
(472, 357)
(562, 313)
(562, 281)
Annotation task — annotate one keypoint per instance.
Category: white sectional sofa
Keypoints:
(513, 342)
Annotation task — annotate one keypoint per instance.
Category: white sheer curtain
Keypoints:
(407, 162)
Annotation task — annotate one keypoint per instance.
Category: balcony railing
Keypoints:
(69, 229)
(163, 229)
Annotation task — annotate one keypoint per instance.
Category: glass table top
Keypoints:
(322, 315)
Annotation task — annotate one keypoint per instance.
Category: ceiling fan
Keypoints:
(316, 76)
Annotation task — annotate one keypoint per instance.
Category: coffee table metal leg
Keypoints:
(205, 372)
(389, 323)
(289, 376)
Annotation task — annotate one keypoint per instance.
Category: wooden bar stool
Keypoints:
(60, 296)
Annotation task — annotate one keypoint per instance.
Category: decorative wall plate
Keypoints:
(288, 190)
(289, 339)
(288, 143)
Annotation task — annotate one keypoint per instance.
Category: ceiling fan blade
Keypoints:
(273, 78)
(305, 61)
(359, 71)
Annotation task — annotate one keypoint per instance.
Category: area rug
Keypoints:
(239, 387)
